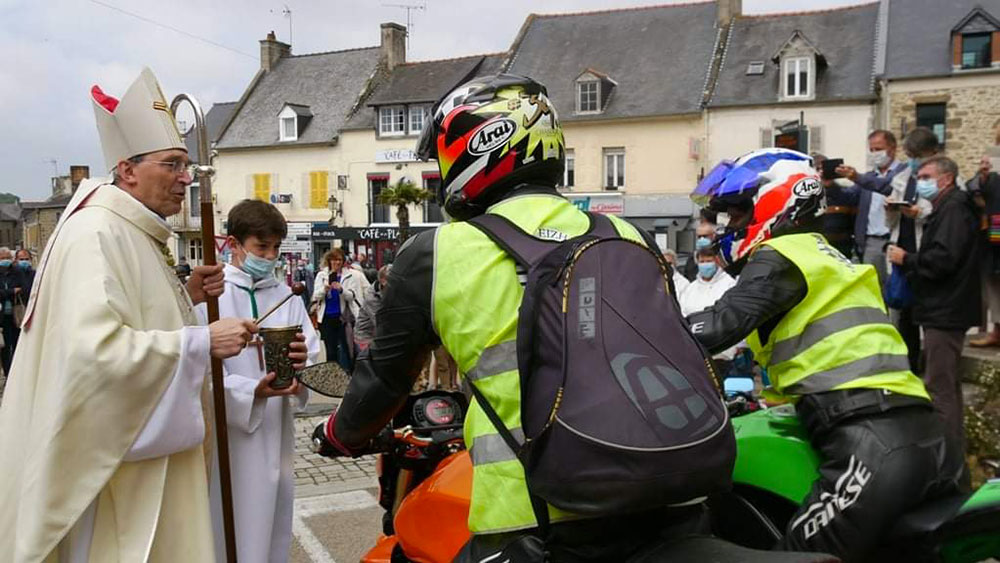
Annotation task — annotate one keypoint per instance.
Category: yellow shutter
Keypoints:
(262, 187)
(318, 189)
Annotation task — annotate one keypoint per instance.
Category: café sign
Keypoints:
(395, 155)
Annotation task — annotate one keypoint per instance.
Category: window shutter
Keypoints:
(318, 189)
(816, 139)
(766, 138)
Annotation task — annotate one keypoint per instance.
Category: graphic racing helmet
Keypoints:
(490, 135)
(767, 193)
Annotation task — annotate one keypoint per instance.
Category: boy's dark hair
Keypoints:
(706, 252)
(252, 217)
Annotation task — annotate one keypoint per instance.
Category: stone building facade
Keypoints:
(972, 115)
(946, 76)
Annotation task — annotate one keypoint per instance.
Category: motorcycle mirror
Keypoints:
(738, 385)
(326, 379)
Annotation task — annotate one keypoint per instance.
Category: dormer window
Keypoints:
(976, 49)
(391, 121)
(292, 120)
(593, 89)
(797, 77)
(288, 129)
(589, 95)
(974, 41)
(799, 62)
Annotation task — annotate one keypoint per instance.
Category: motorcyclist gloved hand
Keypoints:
(325, 443)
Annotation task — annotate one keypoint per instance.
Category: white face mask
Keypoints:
(878, 159)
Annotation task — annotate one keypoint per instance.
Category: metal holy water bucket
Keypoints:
(276, 341)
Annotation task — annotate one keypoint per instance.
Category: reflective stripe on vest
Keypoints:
(475, 305)
(495, 360)
(839, 336)
(815, 331)
(491, 448)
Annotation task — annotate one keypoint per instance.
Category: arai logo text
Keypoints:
(806, 187)
(491, 136)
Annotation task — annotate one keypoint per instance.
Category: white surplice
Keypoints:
(261, 431)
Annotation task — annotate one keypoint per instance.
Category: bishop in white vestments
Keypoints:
(102, 427)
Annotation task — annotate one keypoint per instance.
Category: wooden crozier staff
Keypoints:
(205, 172)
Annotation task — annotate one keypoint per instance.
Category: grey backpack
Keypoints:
(620, 408)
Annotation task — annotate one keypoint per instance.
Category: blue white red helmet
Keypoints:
(778, 188)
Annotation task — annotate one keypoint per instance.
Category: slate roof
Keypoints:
(919, 35)
(658, 55)
(844, 36)
(424, 82)
(328, 83)
(215, 119)
(10, 212)
(52, 202)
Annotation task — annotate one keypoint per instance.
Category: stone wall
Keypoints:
(38, 227)
(972, 116)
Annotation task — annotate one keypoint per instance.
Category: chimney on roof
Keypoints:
(77, 174)
(726, 10)
(393, 45)
(271, 51)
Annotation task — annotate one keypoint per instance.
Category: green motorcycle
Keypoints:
(776, 467)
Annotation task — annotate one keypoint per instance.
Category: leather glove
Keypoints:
(325, 443)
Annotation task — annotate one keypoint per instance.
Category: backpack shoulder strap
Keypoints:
(525, 249)
(601, 226)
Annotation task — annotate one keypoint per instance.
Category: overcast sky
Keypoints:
(53, 51)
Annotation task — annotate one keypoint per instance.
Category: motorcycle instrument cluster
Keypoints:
(436, 411)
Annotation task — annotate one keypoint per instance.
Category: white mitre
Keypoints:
(138, 124)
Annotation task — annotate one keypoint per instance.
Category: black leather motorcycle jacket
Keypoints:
(769, 286)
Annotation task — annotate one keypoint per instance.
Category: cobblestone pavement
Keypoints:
(316, 475)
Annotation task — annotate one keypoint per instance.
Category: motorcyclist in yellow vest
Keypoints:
(818, 324)
(500, 149)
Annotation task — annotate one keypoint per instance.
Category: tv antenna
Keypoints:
(410, 8)
(287, 12)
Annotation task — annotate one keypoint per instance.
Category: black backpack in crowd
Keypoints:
(620, 408)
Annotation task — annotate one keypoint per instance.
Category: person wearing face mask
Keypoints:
(871, 229)
(11, 287)
(712, 282)
(944, 275)
(261, 423)
(704, 237)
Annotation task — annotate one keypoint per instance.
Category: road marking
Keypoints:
(313, 506)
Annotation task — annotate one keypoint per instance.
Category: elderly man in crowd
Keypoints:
(102, 426)
(945, 277)
(985, 187)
